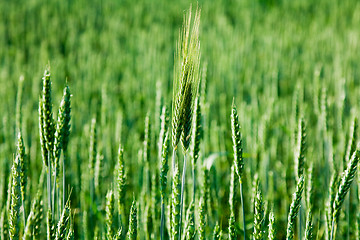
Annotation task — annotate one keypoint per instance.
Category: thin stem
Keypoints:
(332, 229)
(194, 182)
(348, 214)
(243, 208)
(162, 218)
(300, 217)
(182, 194)
(54, 189)
(64, 186)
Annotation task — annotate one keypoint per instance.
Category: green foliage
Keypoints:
(286, 63)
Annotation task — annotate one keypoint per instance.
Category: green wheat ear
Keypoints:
(259, 215)
(348, 177)
(4, 228)
(164, 122)
(232, 227)
(237, 142)
(271, 230)
(197, 131)
(48, 121)
(50, 226)
(175, 214)
(62, 227)
(132, 233)
(121, 182)
(294, 208)
(44, 152)
(300, 149)
(109, 214)
(32, 228)
(238, 156)
(62, 132)
(202, 218)
(14, 223)
(186, 80)
(217, 232)
(23, 172)
(309, 226)
(190, 223)
(164, 165)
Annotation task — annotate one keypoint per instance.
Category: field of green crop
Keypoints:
(227, 119)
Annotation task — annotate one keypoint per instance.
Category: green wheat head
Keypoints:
(300, 149)
(309, 227)
(347, 178)
(14, 217)
(186, 80)
(47, 114)
(132, 233)
(62, 132)
(217, 232)
(202, 218)
(271, 226)
(259, 216)
(22, 165)
(63, 224)
(294, 209)
(109, 214)
(237, 142)
(164, 168)
(121, 181)
(175, 214)
(190, 230)
(197, 131)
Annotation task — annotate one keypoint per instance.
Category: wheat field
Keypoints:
(179, 120)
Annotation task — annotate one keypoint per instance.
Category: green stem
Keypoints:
(243, 208)
(194, 182)
(162, 218)
(64, 186)
(300, 217)
(332, 229)
(182, 194)
(54, 190)
(348, 214)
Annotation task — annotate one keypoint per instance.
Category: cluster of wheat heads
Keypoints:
(105, 213)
